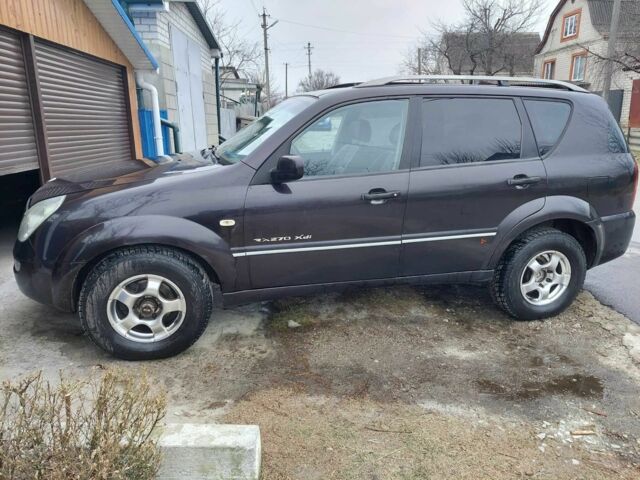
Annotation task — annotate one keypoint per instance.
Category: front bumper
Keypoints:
(38, 281)
(616, 232)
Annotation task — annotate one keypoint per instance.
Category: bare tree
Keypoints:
(487, 41)
(318, 80)
(238, 52)
(259, 78)
(423, 59)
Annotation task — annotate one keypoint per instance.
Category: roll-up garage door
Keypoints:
(17, 139)
(85, 110)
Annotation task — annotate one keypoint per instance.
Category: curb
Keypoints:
(210, 452)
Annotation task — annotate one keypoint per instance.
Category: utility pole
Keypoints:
(611, 49)
(308, 48)
(265, 26)
(419, 61)
(286, 80)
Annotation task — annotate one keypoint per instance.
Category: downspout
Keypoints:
(155, 111)
(217, 55)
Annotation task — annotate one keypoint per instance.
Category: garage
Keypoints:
(68, 101)
(84, 109)
(62, 111)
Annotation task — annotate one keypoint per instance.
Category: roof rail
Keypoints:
(501, 81)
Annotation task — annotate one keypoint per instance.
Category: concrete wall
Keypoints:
(155, 30)
(588, 37)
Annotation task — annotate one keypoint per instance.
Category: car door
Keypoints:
(343, 220)
(478, 164)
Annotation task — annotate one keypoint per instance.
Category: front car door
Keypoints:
(478, 165)
(343, 220)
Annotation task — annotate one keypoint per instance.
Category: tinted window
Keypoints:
(356, 139)
(468, 130)
(548, 120)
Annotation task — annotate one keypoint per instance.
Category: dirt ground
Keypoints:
(401, 383)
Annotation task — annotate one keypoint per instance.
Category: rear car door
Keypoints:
(343, 220)
(478, 165)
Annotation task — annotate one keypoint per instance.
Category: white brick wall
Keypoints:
(155, 30)
(589, 37)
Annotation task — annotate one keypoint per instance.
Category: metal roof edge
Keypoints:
(203, 24)
(135, 34)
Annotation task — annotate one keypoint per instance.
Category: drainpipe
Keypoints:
(217, 55)
(155, 110)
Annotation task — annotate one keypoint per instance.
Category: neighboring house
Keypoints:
(67, 87)
(240, 100)
(467, 54)
(578, 25)
(179, 36)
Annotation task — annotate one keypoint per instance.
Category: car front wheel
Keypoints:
(145, 303)
(540, 274)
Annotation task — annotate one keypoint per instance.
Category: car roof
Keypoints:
(450, 85)
(349, 93)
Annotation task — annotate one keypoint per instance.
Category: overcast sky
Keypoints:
(356, 39)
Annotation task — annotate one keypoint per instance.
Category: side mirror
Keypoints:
(289, 168)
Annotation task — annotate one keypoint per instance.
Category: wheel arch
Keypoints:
(90, 247)
(570, 215)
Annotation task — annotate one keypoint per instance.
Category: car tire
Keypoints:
(522, 281)
(166, 321)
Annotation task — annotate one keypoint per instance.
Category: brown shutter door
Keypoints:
(17, 139)
(85, 113)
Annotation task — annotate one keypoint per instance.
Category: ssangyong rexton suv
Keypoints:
(519, 183)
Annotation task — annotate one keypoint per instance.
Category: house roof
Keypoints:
(601, 12)
(117, 24)
(196, 12)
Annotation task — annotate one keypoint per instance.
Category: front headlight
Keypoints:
(36, 214)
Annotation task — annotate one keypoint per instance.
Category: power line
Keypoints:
(255, 9)
(348, 31)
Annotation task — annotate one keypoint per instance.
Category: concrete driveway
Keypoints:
(390, 383)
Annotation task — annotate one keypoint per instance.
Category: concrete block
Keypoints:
(210, 452)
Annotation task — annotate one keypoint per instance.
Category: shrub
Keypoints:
(96, 429)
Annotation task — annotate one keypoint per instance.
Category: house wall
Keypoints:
(155, 30)
(71, 23)
(588, 37)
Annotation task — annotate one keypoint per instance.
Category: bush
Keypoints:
(98, 429)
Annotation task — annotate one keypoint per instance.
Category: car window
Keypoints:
(355, 139)
(548, 119)
(469, 130)
(248, 139)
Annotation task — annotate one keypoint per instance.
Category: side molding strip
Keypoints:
(363, 245)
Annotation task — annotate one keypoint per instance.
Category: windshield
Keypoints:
(247, 140)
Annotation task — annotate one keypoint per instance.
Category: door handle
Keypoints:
(378, 196)
(523, 181)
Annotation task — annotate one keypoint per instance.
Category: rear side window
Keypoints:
(548, 119)
(469, 130)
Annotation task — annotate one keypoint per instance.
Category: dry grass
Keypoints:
(99, 428)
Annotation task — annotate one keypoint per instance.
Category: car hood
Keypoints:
(121, 173)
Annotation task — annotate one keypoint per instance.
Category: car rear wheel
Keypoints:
(145, 303)
(540, 275)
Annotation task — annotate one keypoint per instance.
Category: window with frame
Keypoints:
(578, 67)
(355, 139)
(548, 119)
(571, 25)
(549, 70)
(469, 130)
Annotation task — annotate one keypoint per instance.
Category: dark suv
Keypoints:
(520, 183)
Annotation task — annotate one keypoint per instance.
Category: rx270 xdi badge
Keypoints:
(283, 239)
